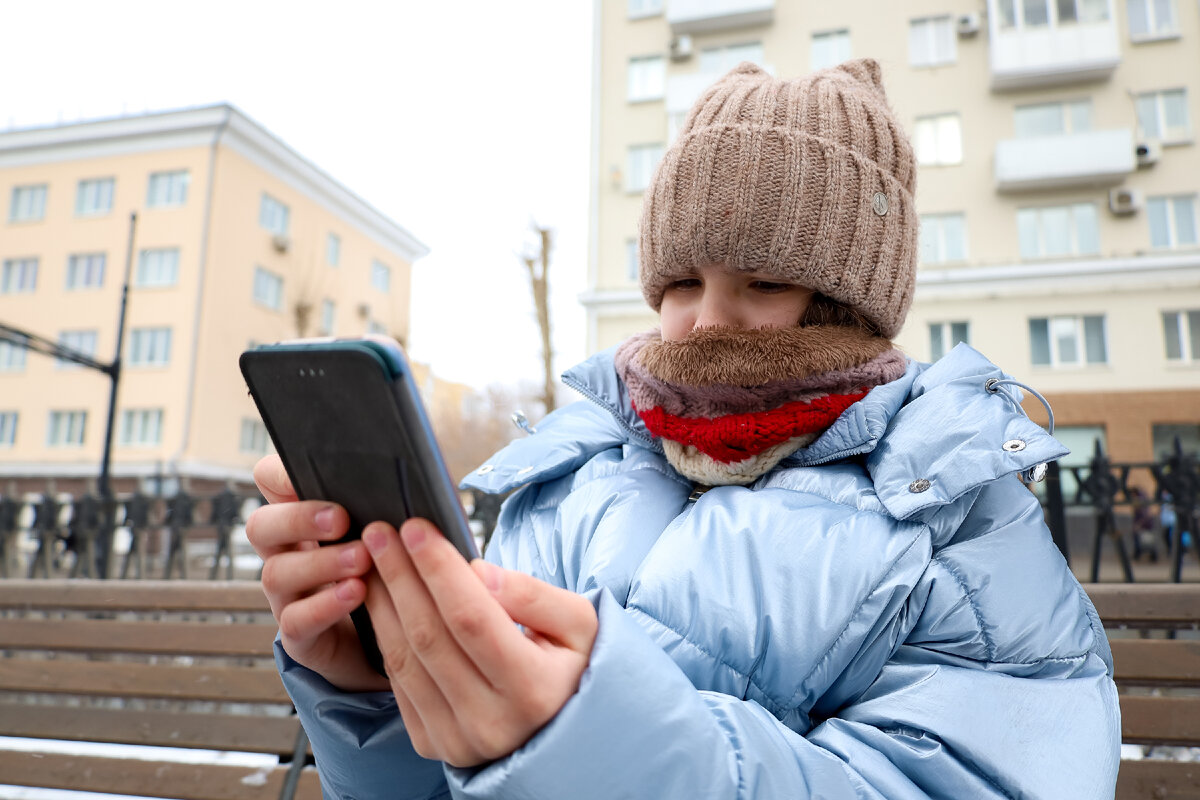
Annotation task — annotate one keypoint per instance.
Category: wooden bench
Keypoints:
(1154, 630)
(185, 665)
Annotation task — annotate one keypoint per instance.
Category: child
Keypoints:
(767, 557)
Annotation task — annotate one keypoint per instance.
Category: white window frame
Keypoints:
(268, 289)
(85, 271)
(333, 250)
(640, 9)
(328, 317)
(933, 236)
(1173, 212)
(1160, 131)
(829, 48)
(273, 215)
(254, 437)
(938, 140)
(381, 276)
(646, 79)
(141, 427)
(168, 188)
(149, 346)
(943, 338)
(81, 341)
(12, 356)
(66, 428)
(1058, 323)
(719, 60)
(8, 428)
(1155, 28)
(1186, 334)
(631, 259)
(640, 162)
(94, 197)
(932, 41)
(18, 275)
(1012, 13)
(28, 203)
(1067, 112)
(1039, 216)
(157, 267)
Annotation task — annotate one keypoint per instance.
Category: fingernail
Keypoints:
(413, 535)
(324, 519)
(376, 540)
(343, 591)
(492, 576)
(349, 556)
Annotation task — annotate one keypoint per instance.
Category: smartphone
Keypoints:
(349, 425)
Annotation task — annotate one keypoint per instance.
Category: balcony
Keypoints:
(1095, 158)
(1046, 55)
(707, 16)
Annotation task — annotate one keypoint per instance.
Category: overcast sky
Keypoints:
(463, 122)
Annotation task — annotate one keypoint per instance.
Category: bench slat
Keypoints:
(154, 637)
(1163, 780)
(233, 732)
(229, 596)
(151, 778)
(124, 679)
(1145, 604)
(1157, 662)
(1160, 720)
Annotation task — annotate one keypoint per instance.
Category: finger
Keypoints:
(560, 615)
(274, 528)
(481, 628)
(303, 620)
(291, 575)
(272, 480)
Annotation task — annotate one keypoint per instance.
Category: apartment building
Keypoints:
(1058, 180)
(238, 240)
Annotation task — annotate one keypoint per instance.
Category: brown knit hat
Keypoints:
(810, 180)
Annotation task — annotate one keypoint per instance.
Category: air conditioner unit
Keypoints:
(968, 24)
(1122, 201)
(281, 242)
(681, 48)
(1148, 152)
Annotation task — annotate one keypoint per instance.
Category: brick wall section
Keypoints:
(1128, 417)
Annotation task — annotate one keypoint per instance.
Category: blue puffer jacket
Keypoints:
(883, 615)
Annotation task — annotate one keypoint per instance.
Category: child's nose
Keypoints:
(716, 311)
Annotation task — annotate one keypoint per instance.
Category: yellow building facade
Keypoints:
(238, 241)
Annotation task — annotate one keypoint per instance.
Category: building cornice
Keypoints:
(130, 469)
(195, 127)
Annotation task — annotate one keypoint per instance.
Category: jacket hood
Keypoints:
(914, 432)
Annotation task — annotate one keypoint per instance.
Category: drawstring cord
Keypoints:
(1036, 473)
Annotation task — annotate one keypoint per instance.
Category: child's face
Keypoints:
(715, 295)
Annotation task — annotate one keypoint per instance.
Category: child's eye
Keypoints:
(770, 287)
(683, 284)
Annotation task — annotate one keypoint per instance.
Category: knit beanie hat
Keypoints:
(810, 180)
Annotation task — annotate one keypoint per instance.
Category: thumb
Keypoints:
(559, 615)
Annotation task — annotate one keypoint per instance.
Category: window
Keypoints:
(65, 428)
(1053, 119)
(1164, 115)
(631, 259)
(94, 197)
(939, 139)
(141, 427)
(647, 78)
(273, 215)
(85, 270)
(254, 437)
(644, 8)
(1172, 221)
(722, 59)
(8, 428)
(149, 347)
(19, 275)
(157, 267)
(1165, 434)
(1067, 341)
(829, 48)
(12, 354)
(167, 189)
(1043, 13)
(1181, 334)
(1150, 19)
(943, 238)
(81, 342)
(381, 276)
(1058, 231)
(1081, 439)
(944, 335)
(28, 203)
(327, 317)
(268, 289)
(377, 328)
(333, 250)
(932, 41)
(641, 161)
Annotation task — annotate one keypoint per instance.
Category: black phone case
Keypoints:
(349, 427)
